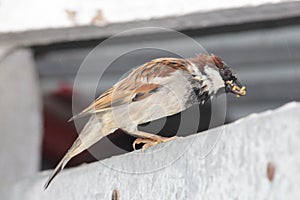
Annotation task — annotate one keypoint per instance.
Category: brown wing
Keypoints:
(136, 86)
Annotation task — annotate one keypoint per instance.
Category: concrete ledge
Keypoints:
(255, 158)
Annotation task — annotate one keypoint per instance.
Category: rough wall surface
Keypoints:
(236, 168)
(107, 11)
(20, 118)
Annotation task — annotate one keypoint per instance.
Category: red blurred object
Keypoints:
(58, 133)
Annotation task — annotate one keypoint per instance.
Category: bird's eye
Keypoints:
(226, 75)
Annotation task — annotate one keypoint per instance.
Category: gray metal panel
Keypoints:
(267, 61)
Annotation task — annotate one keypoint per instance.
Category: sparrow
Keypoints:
(156, 89)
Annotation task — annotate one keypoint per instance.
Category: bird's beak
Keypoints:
(236, 87)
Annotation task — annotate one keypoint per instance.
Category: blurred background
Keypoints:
(43, 44)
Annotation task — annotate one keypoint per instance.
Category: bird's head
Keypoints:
(229, 77)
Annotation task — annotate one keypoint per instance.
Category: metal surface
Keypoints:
(266, 61)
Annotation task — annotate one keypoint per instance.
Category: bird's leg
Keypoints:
(151, 142)
(149, 139)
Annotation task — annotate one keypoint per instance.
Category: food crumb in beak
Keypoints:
(236, 89)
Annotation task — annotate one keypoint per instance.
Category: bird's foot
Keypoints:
(149, 142)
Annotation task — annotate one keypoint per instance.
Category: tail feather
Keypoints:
(57, 169)
(76, 148)
(86, 112)
(90, 134)
(80, 115)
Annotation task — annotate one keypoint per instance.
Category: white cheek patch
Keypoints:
(213, 80)
(194, 69)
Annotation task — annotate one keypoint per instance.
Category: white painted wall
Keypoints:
(20, 15)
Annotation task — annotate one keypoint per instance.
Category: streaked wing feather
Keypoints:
(137, 86)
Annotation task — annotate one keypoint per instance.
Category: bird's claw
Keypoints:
(149, 142)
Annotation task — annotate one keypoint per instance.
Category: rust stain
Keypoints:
(271, 171)
(71, 14)
(115, 195)
(98, 19)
